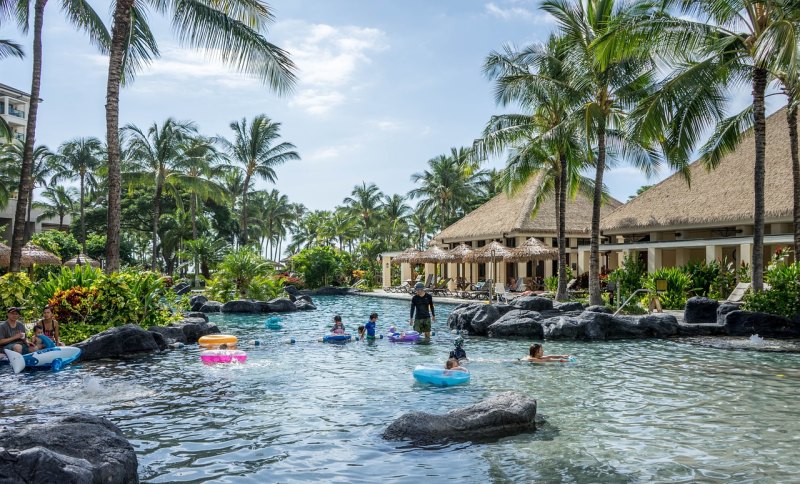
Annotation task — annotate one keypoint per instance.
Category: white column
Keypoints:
(681, 257)
(429, 269)
(613, 260)
(653, 259)
(745, 255)
(452, 273)
(386, 266)
(713, 252)
(405, 272)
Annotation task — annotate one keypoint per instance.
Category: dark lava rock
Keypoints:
(599, 309)
(171, 334)
(281, 305)
(263, 306)
(504, 308)
(211, 307)
(568, 306)
(119, 341)
(76, 449)
(303, 305)
(602, 326)
(239, 306)
(196, 302)
(724, 309)
(474, 318)
(532, 303)
(701, 310)
(747, 323)
(493, 418)
(328, 291)
(291, 290)
(195, 328)
(518, 323)
(196, 314)
(701, 330)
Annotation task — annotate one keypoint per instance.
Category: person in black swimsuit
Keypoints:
(422, 312)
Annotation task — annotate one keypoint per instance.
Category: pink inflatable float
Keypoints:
(211, 357)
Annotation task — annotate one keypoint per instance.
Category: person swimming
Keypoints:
(458, 352)
(536, 355)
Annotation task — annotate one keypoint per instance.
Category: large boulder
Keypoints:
(747, 323)
(724, 309)
(196, 302)
(196, 314)
(503, 309)
(195, 328)
(303, 305)
(76, 449)
(211, 307)
(532, 303)
(493, 418)
(568, 306)
(328, 291)
(171, 334)
(700, 310)
(120, 341)
(281, 305)
(518, 323)
(473, 318)
(591, 325)
(598, 309)
(239, 306)
(701, 330)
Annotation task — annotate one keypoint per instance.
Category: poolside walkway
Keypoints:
(407, 297)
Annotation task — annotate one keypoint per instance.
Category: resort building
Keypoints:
(675, 222)
(510, 220)
(14, 110)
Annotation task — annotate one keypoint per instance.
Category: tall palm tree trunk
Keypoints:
(119, 34)
(25, 191)
(193, 204)
(561, 207)
(791, 117)
(243, 238)
(597, 200)
(156, 215)
(760, 130)
(83, 217)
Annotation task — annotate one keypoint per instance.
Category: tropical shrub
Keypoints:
(62, 244)
(237, 274)
(678, 286)
(264, 288)
(783, 297)
(15, 288)
(629, 277)
(551, 283)
(74, 305)
(65, 278)
(322, 266)
(703, 276)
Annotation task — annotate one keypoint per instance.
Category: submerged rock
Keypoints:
(499, 416)
(76, 449)
(120, 341)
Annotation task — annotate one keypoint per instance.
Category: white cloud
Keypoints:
(514, 11)
(334, 152)
(329, 60)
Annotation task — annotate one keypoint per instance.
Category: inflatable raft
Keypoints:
(211, 357)
(336, 338)
(440, 377)
(52, 357)
(217, 339)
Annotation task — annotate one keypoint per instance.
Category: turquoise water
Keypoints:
(624, 412)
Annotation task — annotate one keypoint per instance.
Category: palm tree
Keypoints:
(365, 202)
(61, 202)
(732, 43)
(277, 211)
(254, 148)
(208, 251)
(395, 216)
(80, 14)
(156, 153)
(231, 31)
(610, 87)
(79, 157)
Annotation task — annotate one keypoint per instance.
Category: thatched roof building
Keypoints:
(510, 215)
(720, 197)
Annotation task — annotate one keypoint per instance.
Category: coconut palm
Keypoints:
(394, 227)
(365, 202)
(9, 48)
(82, 16)
(208, 251)
(155, 154)
(60, 202)
(199, 168)
(256, 148)
(277, 212)
(232, 32)
(79, 158)
(611, 86)
(718, 47)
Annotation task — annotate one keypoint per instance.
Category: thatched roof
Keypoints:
(459, 252)
(532, 249)
(432, 254)
(405, 256)
(83, 260)
(5, 255)
(723, 196)
(484, 254)
(33, 254)
(508, 216)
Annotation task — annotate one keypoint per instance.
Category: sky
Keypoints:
(384, 86)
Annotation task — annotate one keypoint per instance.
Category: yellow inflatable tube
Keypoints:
(217, 339)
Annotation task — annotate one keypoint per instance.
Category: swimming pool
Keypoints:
(625, 411)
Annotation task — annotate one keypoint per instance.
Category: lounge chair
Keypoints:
(429, 281)
(480, 291)
(441, 288)
(500, 292)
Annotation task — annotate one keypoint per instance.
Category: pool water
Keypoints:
(637, 411)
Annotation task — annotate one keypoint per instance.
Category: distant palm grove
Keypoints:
(616, 82)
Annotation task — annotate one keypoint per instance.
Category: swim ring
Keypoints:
(273, 323)
(217, 339)
(405, 336)
(336, 338)
(210, 357)
(440, 377)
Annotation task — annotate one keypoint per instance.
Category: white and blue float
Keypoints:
(52, 357)
(440, 377)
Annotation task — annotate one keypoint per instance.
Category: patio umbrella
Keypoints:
(489, 253)
(404, 256)
(5, 255)
(531, 250)
(458, 254)
(432, 255)
(32, 254)
(83, 260)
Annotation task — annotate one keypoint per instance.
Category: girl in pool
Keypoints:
(536, 355)
(452, 364)
(338, 327)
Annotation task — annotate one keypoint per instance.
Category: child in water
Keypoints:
(338, 327)
(536, 355)
(458, 352)
(452, 364)
(370, 326)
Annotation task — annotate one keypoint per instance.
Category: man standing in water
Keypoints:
(421, 317)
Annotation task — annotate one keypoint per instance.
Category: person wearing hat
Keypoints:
(458, 352)
(422, 310)
(12, 332)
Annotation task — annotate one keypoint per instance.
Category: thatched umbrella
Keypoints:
(432, 255)
(5, 255)
(82, 260)
(404, 256)
(32, 254)
(489, 253)
(458, 254)
(531, 250)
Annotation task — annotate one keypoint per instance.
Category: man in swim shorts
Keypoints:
(422, 312)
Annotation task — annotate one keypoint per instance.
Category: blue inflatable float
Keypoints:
(273, 323)
(336, 338)
(440, 377)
